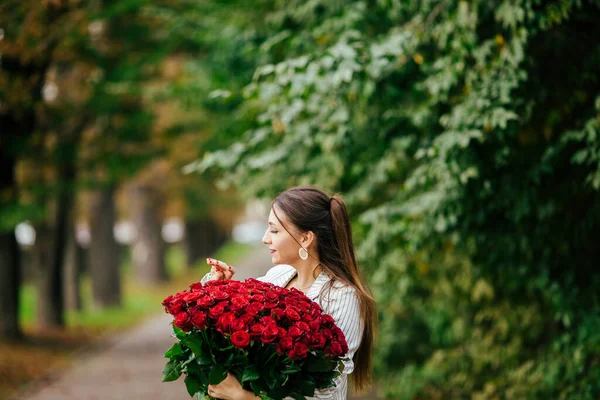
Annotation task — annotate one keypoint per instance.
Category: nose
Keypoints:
(266, 239)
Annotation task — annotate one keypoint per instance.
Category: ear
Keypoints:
(307, 239)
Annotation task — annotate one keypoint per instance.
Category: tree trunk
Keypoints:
(73, 270)
(202, 238)
(149, 248)
(10, 283)
(49, 302)
(10, 276)
(104, 260)
(53, 246)
(196, 242)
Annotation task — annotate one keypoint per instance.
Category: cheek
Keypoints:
(283, 246)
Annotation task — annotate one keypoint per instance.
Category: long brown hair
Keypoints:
(311, 209)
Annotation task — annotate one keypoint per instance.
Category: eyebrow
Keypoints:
(272, 224)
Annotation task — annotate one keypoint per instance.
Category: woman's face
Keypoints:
(284, 249)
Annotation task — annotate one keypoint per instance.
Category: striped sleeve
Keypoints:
(342, 304)
(205, 278)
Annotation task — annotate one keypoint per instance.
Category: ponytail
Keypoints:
(362, 376)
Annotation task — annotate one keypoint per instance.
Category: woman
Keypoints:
(310, 241)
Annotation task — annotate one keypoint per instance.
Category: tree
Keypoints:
(475, 188)
(26, 52)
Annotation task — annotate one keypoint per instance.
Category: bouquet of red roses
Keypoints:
(277, 342)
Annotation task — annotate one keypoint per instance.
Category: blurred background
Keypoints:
(137, 138)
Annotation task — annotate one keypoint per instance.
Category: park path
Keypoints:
(129, 366)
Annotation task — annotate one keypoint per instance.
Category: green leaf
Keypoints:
(204, 359)
(179, 334)
(292, 369)
(171, 371)
(306, 387)
(321, 365)
(217, 374)
(195, 344)
(296, 396)
(175, 350)
(192, 385)
(257, 387)
(250, 373)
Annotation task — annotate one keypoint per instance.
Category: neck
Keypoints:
(308, 271)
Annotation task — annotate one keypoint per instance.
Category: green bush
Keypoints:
(465, 137)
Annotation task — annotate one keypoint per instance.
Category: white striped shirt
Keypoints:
(342, 304)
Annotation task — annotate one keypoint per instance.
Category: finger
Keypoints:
(229, 273)
(216, 274)
(217, 263)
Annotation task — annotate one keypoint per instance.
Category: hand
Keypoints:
(230, 389)
(219, 270)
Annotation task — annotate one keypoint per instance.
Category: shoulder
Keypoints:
(337, 288)
(338, 296)
(278, 273)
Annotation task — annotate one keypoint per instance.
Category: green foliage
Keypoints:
(206, 356)
(465, 138)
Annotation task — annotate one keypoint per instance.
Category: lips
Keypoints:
(271, 251)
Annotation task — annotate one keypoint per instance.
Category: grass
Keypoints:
(50, 350)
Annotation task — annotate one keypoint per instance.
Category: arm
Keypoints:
(230, 389)
(343, 305)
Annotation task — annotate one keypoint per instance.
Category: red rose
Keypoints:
(240, 339)
(271, 305)
(235, 286)
(335, 349)
(277, 313)
(258, 298)
(303, 326)
(247, 318)
(295, 332)
(315, 325)
(282, 332)
(176, 307)
(316, 312)
(257, 330)
(224, 322)
(337, 331)
(196, 286)
(205, 301)
(300, 349)
(317, 341)
(292, 315)
(191, 297)
(270, 333)
(327, 319)
(216, 311)
(327, 333)
(221, 295)
(266, 320)
(238, 302)
(167, 302)
(304, 306)
(182, 321)
(238, 325)
(272, 296)
(344, 344)
(286, 342)
(307, 318)
(254, 308)
(199, 319)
